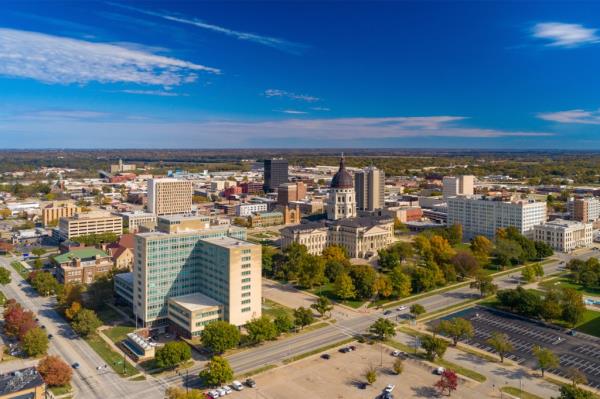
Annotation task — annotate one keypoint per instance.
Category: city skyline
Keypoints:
(278, 75)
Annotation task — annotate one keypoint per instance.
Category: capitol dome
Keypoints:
(342, 179)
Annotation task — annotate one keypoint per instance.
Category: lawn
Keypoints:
(61, 390)
(2, 298)
(463, 246)
(118, 333)
(109, 316)
(20, 269)
(519, 393)
(112, 358)
(564, 282)
(273, 309)
(326, 290)
(590, 323)
(460, 370)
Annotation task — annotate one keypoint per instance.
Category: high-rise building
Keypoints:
(276, 173)
(586, 209)
(457, 186)
(341, 203)
(369, 185)
(288, 192)
(83, 224)
(169, 196)
(181, 276)
(484, 215)
(57, 210)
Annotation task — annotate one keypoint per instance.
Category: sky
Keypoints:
(117, 74)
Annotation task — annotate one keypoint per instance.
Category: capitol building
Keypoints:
(362, 237)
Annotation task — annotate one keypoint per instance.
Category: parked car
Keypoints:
(396, 353)
(237, 385)
(251, 383)
(213, 394)
(572, 333)
(387, 312)
(439, 371)
(389, 388)
(75, 366)
(50, 336)
(352, 347)
(387, 395)
(221, 391)
(227, 389)
(401, 308)
(325, 356)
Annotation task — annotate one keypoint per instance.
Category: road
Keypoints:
(87, 381)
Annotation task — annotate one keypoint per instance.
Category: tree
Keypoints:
(417, 310)
(86, 322)
(501, 344)
(400, 281)
(336, 253)
(528, 274)
(398, 366)
(54, 371)
(442, 250)
(217, 371)
(303, 317)
(44, 283)
(283, 323)
(454, 234)
(5, 277)
(18, 321)
(172, 354)
(546, 358)
(457, 329)
(481, 247)
(507, 252)
(97, 292)
(38, 251)
(322, 306)
(71, 293)
(72, 311)
(465, 264)
(343, 287)
(371, 375)
(261, 329)
(573, 307)
(218, 336)
(573, 392)
(383, 329)
(35, 342)
(311, 272)
(383, 286)
(38, 264)
(551, 308)
(180, 393)
(433, 347)
(484, 283)
(576, 376)
(543, 250)
(268, 253)
(363, 277)
(448, 382)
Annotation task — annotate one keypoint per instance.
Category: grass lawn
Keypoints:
(20, 269)
(518, 393)
(326, 290)
(463, 246)
(590, 323)
(564, 282)
(109, 316)
(273, 309)
(61, 390)
(460, 370)
(112, 358)
(118, 333)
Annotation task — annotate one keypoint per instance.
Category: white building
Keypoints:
(133, 220)
(341, 203)
(459, 185)
(169, 196)
(564, 235)
(244, 210)
(585, 209)
(484, 215)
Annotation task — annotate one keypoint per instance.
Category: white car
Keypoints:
(221, 392)
(396, 353)
(401, 308)
(389, 388)
(213, 394)
(227, 389)
(237, 385)
(439, 370)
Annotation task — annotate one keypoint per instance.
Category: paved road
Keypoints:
(88, 382)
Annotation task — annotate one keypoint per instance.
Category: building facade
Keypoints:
(57, 210)
(341, 202)
(169, 196)
(458, 185)
(133, 220)
(275, 174)
(485, 215)
(244, 210)
(82, 266)
(564, 235)
(289, 192)
(83, 224)
(585, 209)
(369, 185)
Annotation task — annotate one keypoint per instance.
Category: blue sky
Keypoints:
(299, 74)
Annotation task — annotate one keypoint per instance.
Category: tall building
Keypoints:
(206, 267)
(134, 220)
(341, 203)
(457, 186)
(586, 209)
(83, 224)
(57, 210)
(564, 235)
(369, 185)
(288, 192)
(484, 215)
(276, 173)
(169, 196)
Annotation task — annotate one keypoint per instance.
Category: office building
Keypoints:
(585, 209)
(169, 196)
(289, 192)
(484, 215)
(123, 286)
(121, 167)
(341, 202)
(458, 186)
(247, 209)
(133, 220)
(58, 209)
(210, 260)
(369, 185)
(276, 173)
(25, 383)
(82, 266)
(564, 235)
(83, 224)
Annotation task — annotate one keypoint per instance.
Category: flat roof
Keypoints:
(19, 380)
(83, 253)
(184, 216)
(127, 277)
(193, 302)
(228, 242)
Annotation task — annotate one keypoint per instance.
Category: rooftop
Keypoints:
(193, 302)
(127, 277)
(228, 242)
(83, 253)
(19, 380)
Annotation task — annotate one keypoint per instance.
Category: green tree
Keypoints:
(283, 323)
(371, 375)
(311, 272)
(38, 264)
(343, 287)
(457, 329)
(303, 317)
(363, 277)
(260, 330)
(507, 252)
(528, 274)
(5, 277)
(573, 307)
(218, 336)
(454, 234)
(433, 347)
(97, 292)
(383, 329)
(38, 251)
(172, 354)
(35, 342)
(442, 250)
(546, 358)
(44, 283)
(401, 284)
(268, 253)
(551, 305)
(484, 283)
(417, 310)
(500, 343)
(322, 306)
(398, 366)
(217, 372)
(573, 392)
(86, 322)
(481, 246)
(543, 250)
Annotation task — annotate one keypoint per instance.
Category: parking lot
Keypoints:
(581, 351)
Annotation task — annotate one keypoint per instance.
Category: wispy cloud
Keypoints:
(577, 116)
(290, 95)
(56, 59)
(154, 93)
(273, 42)
(293, 112)
(565, 35)
(320, 109)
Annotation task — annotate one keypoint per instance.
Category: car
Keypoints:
(352, 347)
(50, 336)
(76, 366)
(396, 353)
(387, 312)
(237, 385)
(221, 391)
(572, 333)
(43, 327)
(401, 308)
(213, 394)
(439, 371)
(362, 385)
(389, 388)
(326, 356)
(387, 395)
(36, 319)
(250, 382)
(227, 389)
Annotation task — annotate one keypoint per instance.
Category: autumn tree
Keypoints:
(398, 366)
(217, 372)
(72, 311)
(371, 375)
(500, 343)
(448, 382)
(465, 264)
(383, 286)
(343, 287)
(35, 342)
(54, 371)
(5, 277)
(85, 322)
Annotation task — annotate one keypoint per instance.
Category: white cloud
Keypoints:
(55, 59)
(287, 94)
(293, 112)
(320, 109)
(578, 116)
(274, 42)
(153, 93)
(565, 35)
